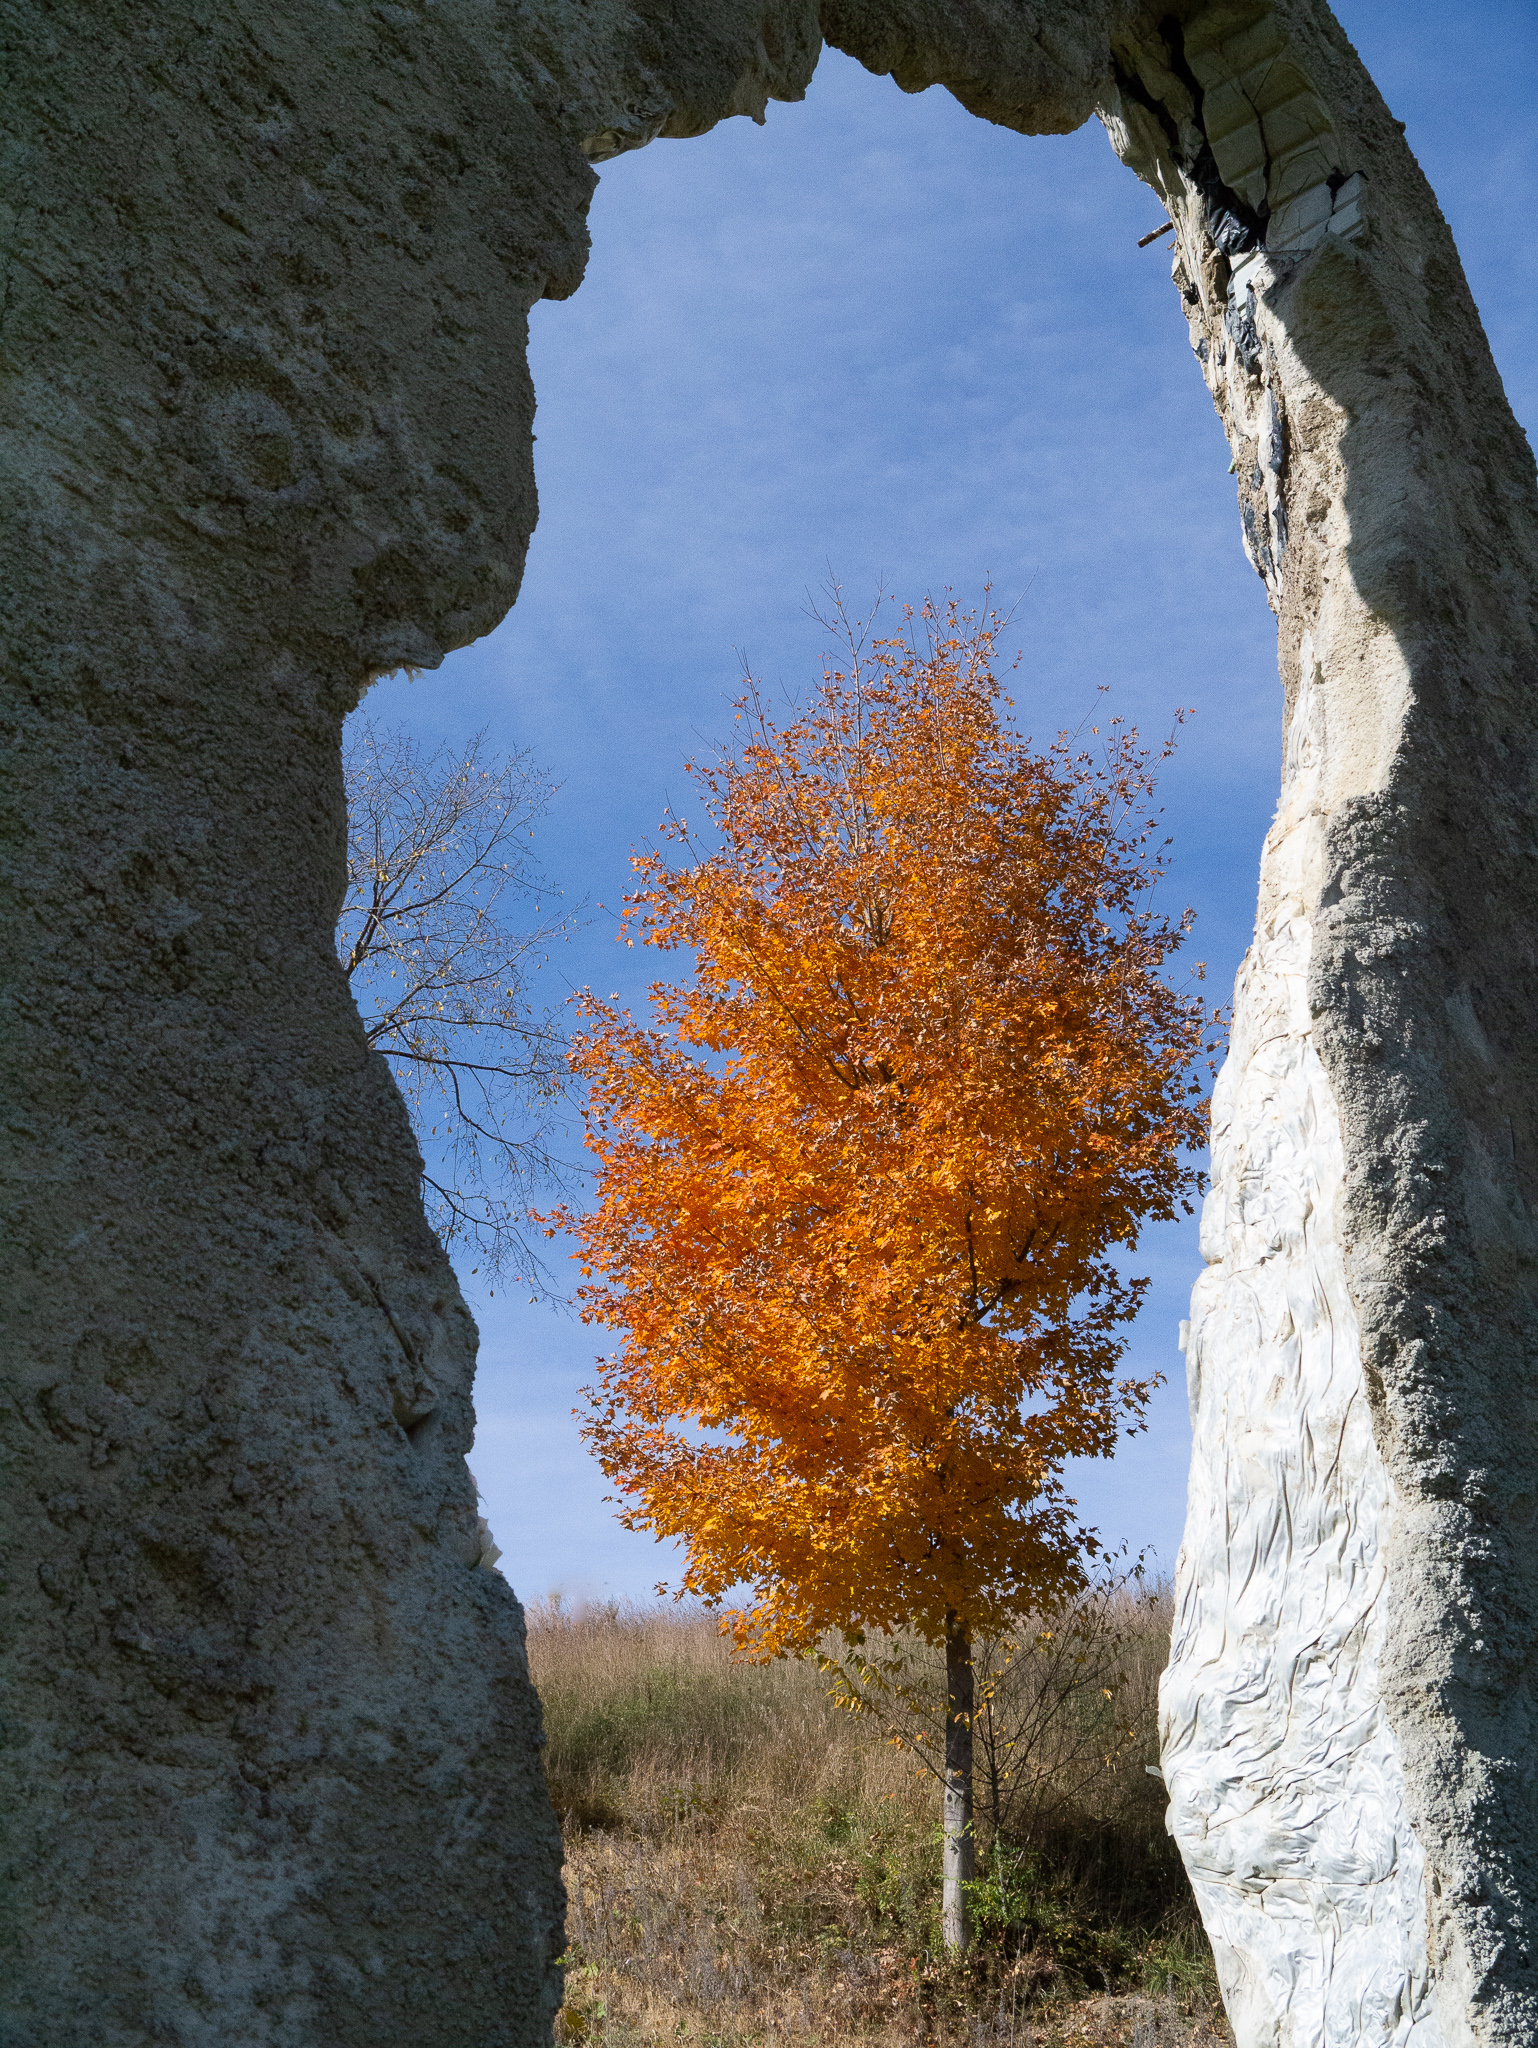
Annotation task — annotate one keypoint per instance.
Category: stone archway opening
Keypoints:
(264, 318)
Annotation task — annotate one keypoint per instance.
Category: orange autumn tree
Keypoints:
(862, 1174)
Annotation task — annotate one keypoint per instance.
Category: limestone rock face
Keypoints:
(269, 1759)
(269, 1769)
(1348, 1718)
(1348, 1715)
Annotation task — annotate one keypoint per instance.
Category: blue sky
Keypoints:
(879, 335)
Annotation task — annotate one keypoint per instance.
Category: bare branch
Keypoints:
(439, 865)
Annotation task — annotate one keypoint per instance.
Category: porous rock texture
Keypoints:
(269, 1771)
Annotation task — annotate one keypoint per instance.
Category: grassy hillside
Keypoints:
(747, 1863)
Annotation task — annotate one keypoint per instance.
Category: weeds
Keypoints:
(747, 1865)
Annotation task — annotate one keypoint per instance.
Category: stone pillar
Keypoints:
(1349, 1711)
(269, 1770)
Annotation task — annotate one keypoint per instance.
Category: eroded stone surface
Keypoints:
(1349, 1708)
(269, 1769)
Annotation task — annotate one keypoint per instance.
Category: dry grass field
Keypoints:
(749, 1864)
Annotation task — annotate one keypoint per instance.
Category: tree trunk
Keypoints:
(960, 1840)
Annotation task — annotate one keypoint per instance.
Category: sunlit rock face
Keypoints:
(1348, 1710)
(270, 1760)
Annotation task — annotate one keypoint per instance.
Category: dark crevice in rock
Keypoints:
(1235, 226)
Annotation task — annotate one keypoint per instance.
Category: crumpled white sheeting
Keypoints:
(1286, 1792)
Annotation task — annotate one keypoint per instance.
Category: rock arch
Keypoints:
(269, 1761)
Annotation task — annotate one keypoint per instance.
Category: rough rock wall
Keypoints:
(269, 1766)
(1349, 1714)
(268, 1769)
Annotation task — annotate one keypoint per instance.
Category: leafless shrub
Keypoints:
(1064, 1701)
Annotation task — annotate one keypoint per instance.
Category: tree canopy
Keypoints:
(863, 1171)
